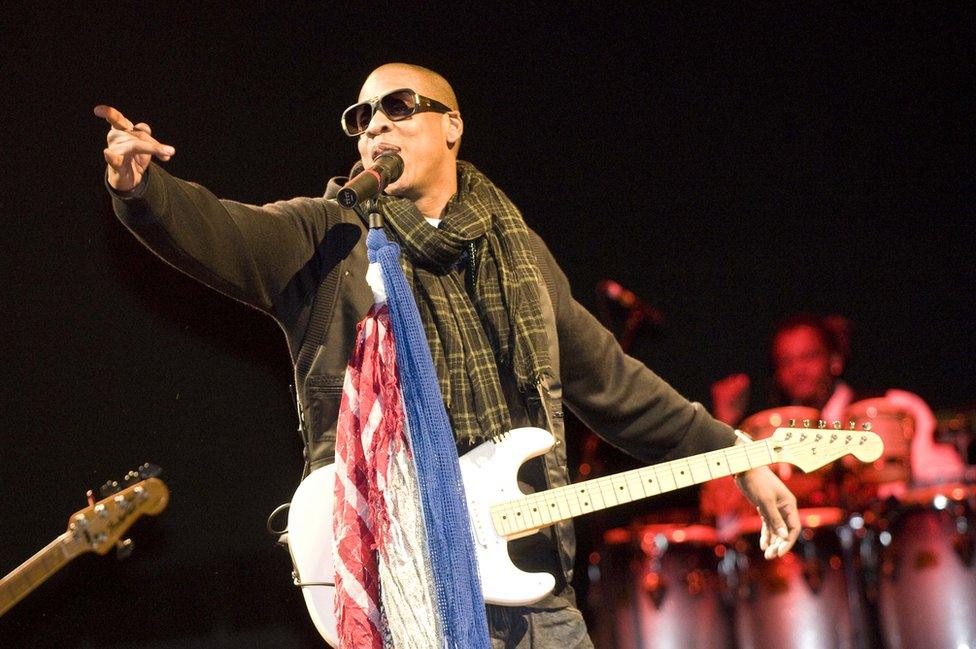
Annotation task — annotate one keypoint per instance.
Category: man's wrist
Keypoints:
(741, 439)
(136, 192)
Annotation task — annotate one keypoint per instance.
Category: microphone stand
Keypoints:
(370, 215)
(634, 319)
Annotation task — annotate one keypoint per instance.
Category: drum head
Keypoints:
(896, 427)
(810, 518)
(938, 495)
(763, 423)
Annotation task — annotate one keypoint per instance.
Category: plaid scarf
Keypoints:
(494, 325)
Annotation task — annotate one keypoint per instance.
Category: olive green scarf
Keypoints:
(494, 324)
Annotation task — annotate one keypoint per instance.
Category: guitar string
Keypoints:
(598, 484)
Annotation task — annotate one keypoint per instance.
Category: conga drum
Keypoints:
(810, 598)
(660, 586)
(811, 489)
(890, 473)
(924, 578)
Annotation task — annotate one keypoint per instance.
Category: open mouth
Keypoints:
(384, 148)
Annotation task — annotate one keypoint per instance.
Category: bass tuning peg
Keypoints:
(149, 470)
(110, 487)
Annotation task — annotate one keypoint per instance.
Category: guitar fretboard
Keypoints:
(32, 573)
(547, 507)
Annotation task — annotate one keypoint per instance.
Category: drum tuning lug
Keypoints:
(818, 437)
(833, 438)
(791, 423)
(836, 424)
(821, 424)
(806, 423)
(853, 424)
(866, 425)
(847, 440)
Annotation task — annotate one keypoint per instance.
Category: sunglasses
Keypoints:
(396, 104)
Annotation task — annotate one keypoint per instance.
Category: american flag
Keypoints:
(406, 575)
(370, 431)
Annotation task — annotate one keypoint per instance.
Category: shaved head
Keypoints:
(423, 80)
(426, 140)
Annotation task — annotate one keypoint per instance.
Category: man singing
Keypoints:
(509, 343)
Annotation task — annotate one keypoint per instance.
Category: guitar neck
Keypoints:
(33, 572)
(529, 513)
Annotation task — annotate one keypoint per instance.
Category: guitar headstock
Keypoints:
(811, 448)
(100, 526)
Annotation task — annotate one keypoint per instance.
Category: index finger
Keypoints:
(113, 117)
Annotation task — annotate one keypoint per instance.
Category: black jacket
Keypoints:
(299, 259)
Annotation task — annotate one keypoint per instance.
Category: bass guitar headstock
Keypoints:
(100, 526)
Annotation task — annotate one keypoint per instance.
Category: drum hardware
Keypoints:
(654, 581)
(818, 577)
(919, 571)
(957, 426)
(661, 585)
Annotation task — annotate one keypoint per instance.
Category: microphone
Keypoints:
(370, 182)
(628, 300)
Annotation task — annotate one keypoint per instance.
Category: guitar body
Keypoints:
(310, 545)
(500, 512)
(489, 472)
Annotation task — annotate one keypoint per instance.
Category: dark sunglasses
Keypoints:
(396, 104)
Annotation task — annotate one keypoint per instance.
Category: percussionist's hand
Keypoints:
(130, 148)
(776, 506)
(730, 396)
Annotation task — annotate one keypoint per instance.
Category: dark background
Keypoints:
(729, 167)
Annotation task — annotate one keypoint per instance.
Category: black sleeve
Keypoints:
(251, 253)
(617, 396)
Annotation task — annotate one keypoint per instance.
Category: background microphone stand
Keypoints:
(635, 314)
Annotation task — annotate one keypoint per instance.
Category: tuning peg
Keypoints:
(821, 424)
(836, 424)
(124, 548)
(866, 425)
(806, 423)
(148, 470)
(109, 488)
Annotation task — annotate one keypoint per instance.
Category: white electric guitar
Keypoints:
(500, 512)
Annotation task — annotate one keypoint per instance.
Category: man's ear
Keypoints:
(455, 127)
